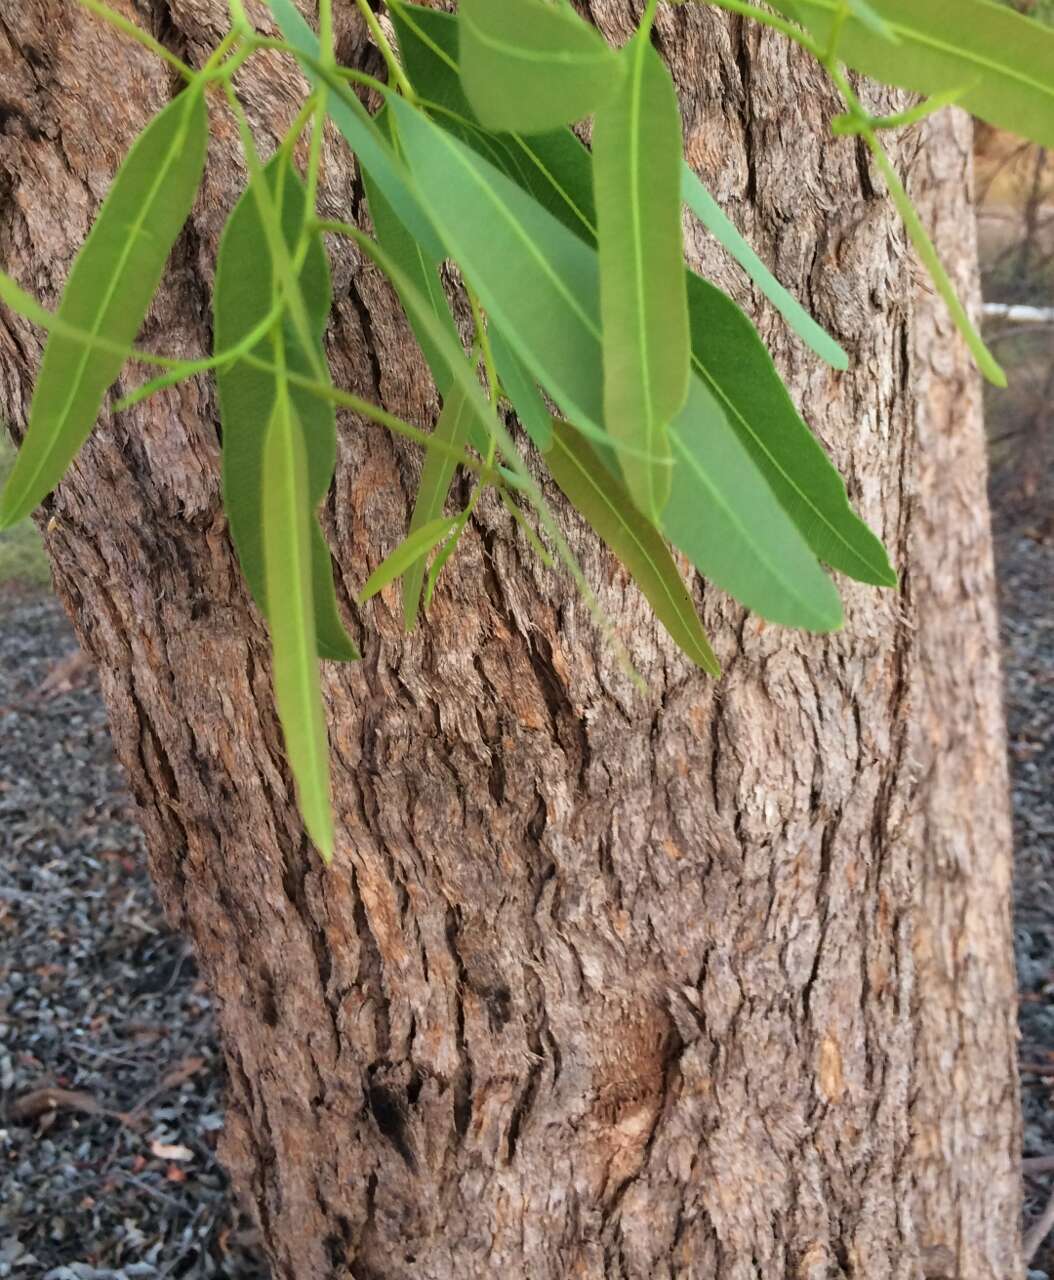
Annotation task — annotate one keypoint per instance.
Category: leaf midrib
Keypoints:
(514, 223)
(111, 289)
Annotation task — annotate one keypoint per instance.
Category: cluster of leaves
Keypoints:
(645, 389)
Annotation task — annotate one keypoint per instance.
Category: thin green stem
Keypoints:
(835, 36)
(292, 134)
(144, 38)
(536, 543)
(395, 70)
(187, 368)
(280, 255)
(523, 477)
(213, 68)
(347, 400)
(852, 124)
(325, 32)
(333, 76)
(766, 19)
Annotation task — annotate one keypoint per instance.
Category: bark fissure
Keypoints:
(601, 983)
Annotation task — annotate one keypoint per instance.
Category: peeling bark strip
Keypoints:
(713, 982)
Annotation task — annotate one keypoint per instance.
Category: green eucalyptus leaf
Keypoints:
(725, 518)
(643, 304)
(873, 20)
(536, 279)
(1007, 59)
(554, 167)
(244, 295)
(444, 553)
(727, 350)
(362, 135)
(522, 391)
(529, 66)
(710, 214)
(603, 501)
(557, 169)
(738, 370)
(287, 554)
(109, 290)
(453, 427)
(413, 261)
(413, 548)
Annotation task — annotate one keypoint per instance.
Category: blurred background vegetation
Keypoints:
(1015, 195)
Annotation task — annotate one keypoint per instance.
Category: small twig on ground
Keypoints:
(1038, 1164)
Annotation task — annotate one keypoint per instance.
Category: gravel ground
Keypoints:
(110, 1080)
(1026, 574)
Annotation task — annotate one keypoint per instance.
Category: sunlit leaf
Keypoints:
(643, 307)
(710, 214)
(1007, 59)
(530, 66)
(407, 553)
(608, 508)
(725, 518)
(244, 294)
(436, 474)
(107, 295)
(287, 554)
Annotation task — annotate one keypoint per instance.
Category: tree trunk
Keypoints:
(713, 981)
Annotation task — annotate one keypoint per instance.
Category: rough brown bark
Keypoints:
(713, 981)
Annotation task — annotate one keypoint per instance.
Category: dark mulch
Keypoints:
(110, 1080)
(1026, 574)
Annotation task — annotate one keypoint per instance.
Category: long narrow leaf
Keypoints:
(727, 520)
(711, 215)
(737, 368)
(1007, 59)
(287, 551)
(537, 279)
(602, 500)
(108, 293)
(522, 391)
(556, 168)
(413, 261)
(243, 296)
(924, 247)
(531, 66)
(406, 554)
(643, 305)
(436, 474)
